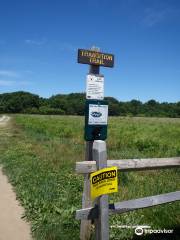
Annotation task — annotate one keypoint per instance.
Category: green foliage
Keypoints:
(39, 155)
(17, 102)
(73, 104)
(113, 106)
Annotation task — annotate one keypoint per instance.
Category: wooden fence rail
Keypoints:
(101, 209)
(131, 164)
(130, 205)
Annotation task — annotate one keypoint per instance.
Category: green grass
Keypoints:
(39, 155)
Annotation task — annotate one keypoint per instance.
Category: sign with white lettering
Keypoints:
(98, 114)
(104, 181)
(94, 87)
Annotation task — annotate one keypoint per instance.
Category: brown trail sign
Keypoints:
(95, 58)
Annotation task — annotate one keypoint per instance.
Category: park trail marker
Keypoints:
(95, 58)
(96, 109)
(96, 118)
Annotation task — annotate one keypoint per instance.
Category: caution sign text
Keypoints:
(104, 181)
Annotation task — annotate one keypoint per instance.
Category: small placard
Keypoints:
(104, 181)
(98, 114)
(94, 87)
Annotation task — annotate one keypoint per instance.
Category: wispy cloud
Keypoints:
(9, 78)
(28, 71)
(8, 73)
(24, 83)
(68, 47)
(9, 83)
(154, 16)
(6, 83)
(35, 42)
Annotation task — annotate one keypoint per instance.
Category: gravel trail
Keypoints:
(12, 226)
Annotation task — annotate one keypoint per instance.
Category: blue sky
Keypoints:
(39, 41)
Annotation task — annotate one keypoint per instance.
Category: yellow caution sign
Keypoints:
(104, 181)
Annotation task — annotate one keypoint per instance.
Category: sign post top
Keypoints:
(95, 58)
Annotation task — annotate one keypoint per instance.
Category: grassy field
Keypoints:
(39, 154)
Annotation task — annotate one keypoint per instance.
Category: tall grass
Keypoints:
(39, 158)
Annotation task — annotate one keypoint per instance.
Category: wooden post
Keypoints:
(102, 223)
(85, 231)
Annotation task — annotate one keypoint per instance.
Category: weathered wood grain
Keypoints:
(102, 222)
(85, 228)
(131, 205)
(131, 164)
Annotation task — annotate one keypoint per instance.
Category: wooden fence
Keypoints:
(99, 210)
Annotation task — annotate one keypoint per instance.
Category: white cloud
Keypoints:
(24, 83)
(35, 42)
(28, 71)
(8, 73)
(9, 83)
(6, 83)
(155, 16)
(68, 47)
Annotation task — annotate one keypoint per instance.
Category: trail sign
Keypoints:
(104, 181)
(95, 58)
(95, 86)
(96, 116)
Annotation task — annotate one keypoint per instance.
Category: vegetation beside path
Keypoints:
(39, 155)
(73, 104)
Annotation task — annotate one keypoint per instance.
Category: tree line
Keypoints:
(73, 104)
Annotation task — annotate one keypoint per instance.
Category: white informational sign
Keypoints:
(98, 114)
(94, 87)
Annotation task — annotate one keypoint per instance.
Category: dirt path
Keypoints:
(12, 227)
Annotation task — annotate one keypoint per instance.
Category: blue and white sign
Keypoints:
(98, 114)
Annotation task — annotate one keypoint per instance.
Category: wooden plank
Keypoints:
(131, 205)
(102, 222)
(131, 164)
(85, 228)
(146, 202)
